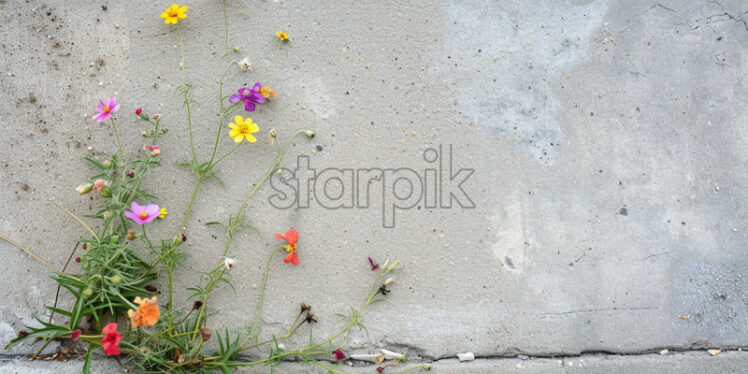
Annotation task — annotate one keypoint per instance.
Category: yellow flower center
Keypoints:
(243, 129)
(172, 12)
(106, 109)
(143, 215)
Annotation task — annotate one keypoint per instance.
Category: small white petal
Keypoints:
(467, 356)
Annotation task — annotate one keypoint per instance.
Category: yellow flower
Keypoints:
(162, 213)
(243, 128)
(171, 15)
(267, 92)
(282, 35)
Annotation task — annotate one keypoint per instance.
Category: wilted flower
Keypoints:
(245, 64)
(206, 333)
(272, 137)
(339, 355)
(153, 149)
(229, 263)
(142, 214)
(131, 235)
(373, 265)
(106, 108)
(174, 13)
(84, 188)
(99, 184)
(75, 334)
(248, 96)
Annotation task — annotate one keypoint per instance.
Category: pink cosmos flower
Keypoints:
(106, 108)
(142, 214)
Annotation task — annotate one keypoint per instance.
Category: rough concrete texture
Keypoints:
(609, 142)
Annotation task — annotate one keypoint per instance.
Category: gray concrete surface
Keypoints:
(609, 142)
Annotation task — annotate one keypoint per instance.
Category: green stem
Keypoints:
(226, 155)
(223, 111)
(119, 143)
(262, 289)
(186, 99)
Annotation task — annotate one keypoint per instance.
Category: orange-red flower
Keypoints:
(291, 236)
(147, 313)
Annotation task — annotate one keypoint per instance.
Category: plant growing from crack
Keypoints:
(120, 261)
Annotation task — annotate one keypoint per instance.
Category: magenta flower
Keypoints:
(249, 97)
(106, 108)
(142, 214)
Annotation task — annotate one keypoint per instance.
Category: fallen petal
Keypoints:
(377, 358)
(389, 355)
(467, 356)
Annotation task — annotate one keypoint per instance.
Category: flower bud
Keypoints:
(309, 134)
(106, 215)
(78, 259)
(144, 134)
(164, 130)
(236, 49)
(116, 279)
(105, 192)
(84, 188)
(138, 111)
(181, 66)
(88, 292)
(156, 116)
(85, 246)
(389, 281)
(114, 239)
(279, 171)
(107, 164)
(206, 333)
(130, 174)
(392, 267)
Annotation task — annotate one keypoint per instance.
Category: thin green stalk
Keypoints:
(223, 111)
(227, 154)
(262, 289)
(119, 143)
(186, 99)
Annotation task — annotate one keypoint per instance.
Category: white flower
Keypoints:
(229, 263)
(245, 64)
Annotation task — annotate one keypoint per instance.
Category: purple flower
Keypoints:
(249, 97)
(106, 108)
(142, 214)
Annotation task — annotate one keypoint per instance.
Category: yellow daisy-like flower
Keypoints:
(162, 213)
(243, 129)
(174, 13)
(282, 35)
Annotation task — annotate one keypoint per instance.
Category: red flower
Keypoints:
(138, 111)
(75, 334)
(380, 369)
(111, 340)
(339, 355)
(77, 259)
(291, 236)
(373, 265)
